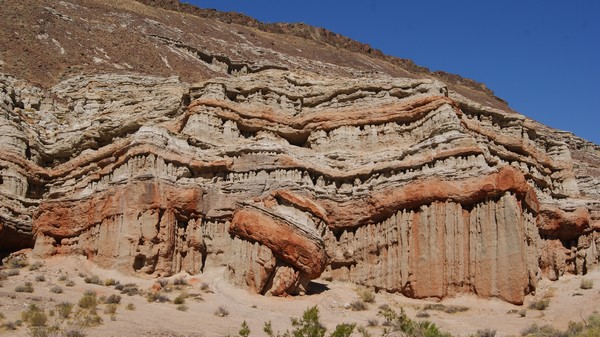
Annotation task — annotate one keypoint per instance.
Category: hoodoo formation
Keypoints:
(154, 138)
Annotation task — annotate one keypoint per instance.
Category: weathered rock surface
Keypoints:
(280, 165)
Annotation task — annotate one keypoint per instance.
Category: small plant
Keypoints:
(366, 295)
(205, 287)
(56, 290)
(449, 309)
(423, 314)
(34, 316)
(221, 311)
(93, 279)
(358, 305)
(540, 304)
(179, 299)
(64, 309)
(110, 282)
(157, 297)
(363, 331)
(182, 307)
(12, 272)
(88, 301)
(10, 326)
(180, 281)
(372, 322)
(244, 330)
(40, 278)
(36, 265)
(485, 333)
(110, 309)
(112, 299)
(163, 282)
(62, 278)
(17, 262)
(586, 284)
(25, 288)
(522, 312)
(130, 306)
(129, 289)
(70, 283)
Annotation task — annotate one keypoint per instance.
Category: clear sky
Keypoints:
(542, 56)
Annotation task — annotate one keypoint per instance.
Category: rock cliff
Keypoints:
(281, 157)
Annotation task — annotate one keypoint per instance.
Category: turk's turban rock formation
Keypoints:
(398, 184)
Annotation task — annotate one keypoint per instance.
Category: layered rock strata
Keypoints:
(398, 184)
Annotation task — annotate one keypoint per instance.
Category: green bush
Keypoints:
(179, 299)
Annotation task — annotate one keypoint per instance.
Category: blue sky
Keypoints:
(543, 57)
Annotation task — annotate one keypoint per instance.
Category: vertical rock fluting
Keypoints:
(390, 183)
(441, 249)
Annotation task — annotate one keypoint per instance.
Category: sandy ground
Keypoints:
(567, 303)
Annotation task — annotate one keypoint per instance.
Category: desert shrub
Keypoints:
(179, 299)
(205, 287)
(88, 318)
(180, 281)
(129, 289)
(24, 288)
(64, 309)
(366, 295)
(163, 282)
(16, 262)
(40, 278)
(74, 331)
(130, 306)
(309, 326)
(358, 305)
(221, 311)
(62, 278)
(541, 331)
(110, 309)
(540, 304)
(522, 312)
(372, 322)
(400, 322)
(485, 333)
(157, 297)
(182, 307)
(449, 309)
(423, 314)
(112, 299)
(36, 265)
(244, 330)
(56, 290)
(10, 326)
(93, 279)
(88, 301)
(70, 283)
(586, 284)
(12, 272)
(44, 331)
(110, 282)
(34, 316)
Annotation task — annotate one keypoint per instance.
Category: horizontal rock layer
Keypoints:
(288, 159)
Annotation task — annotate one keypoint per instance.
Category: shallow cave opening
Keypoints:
(13, 241)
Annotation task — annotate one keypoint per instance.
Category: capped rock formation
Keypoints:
(234, 149)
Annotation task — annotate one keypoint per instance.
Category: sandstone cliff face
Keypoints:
(284, 170)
